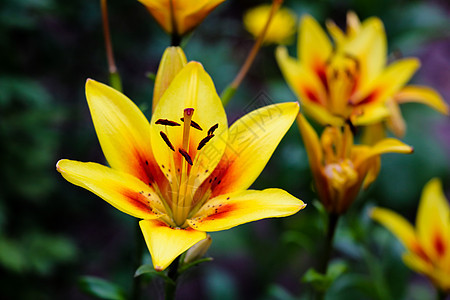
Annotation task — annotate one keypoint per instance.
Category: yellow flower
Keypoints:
(281, 29)
(339, 167)
(185, 173)
(427, 246)
(180, 16)
(351, 80)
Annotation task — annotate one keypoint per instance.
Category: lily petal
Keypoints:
(336, 33)
(395, 122)
(123, 131)
(388, 83)
(166, 243)
(396, 224)
(368, 45)
(422, 94)
(314, 47)
(251, 142)
(322, 115)
(191, 88)
(370, 114)
(123, 191)
(372, 173)
(311, 142)
(363, 153)
(433, 226)
(303, 82)
(229, 210)
(373, 133)
(417, 263)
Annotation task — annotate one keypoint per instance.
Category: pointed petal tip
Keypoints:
(158, 268)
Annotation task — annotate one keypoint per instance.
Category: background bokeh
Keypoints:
(52, 232)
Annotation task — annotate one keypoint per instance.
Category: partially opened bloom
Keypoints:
(350, 80)
(340, 167)
(172, 62)
(180, 16)
(428, 245)
(281, 29)
(185, 173)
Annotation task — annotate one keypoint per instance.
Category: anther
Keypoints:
(186, 156)
(166, 139)
(213, 128)
(193, 124)
(166, 122)
(204, 141)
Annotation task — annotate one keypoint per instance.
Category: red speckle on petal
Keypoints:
(138, 200)
(221, 212)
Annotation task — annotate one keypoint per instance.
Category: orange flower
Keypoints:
(339, 167)
(180, 16)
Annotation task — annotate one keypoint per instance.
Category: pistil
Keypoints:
(181, 207)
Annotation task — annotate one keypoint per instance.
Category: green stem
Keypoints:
(440, 295)
(332, 225)
(328, 249)
(175, 39)
(139, 252)
(171, 286)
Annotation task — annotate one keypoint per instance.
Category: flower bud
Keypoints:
(281, 29)
(172, 61)
(180, 16)
(198, 250)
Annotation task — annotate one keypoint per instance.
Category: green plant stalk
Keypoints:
(440, 294)
(230, 90)
(328, 248)
(139, 253)
(114, 77)
(171, 286)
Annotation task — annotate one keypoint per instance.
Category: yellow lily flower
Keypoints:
(180, 16)
(351, 80)
(339, 167)
(427, 246)
(282, 28)
(185, 173)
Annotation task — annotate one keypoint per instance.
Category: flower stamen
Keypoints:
(213, 128)
(166, 139)
(204, 141)
(167, 122)
(186, 156)
(193, 124)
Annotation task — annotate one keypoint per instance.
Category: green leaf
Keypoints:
(150, 271)
(322, 282)
(101, 288)
(336, 269)
(319, 281)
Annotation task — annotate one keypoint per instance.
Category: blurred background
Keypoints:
(52, 232)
